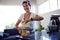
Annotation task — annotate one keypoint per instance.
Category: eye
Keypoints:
(24, 6)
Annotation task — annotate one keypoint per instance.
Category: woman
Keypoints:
(27, 17)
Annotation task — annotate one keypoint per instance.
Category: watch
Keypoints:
(31, 19)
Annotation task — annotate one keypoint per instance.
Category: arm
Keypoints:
(17, 23)
(37, 18)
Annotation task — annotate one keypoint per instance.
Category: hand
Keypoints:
(20, 31)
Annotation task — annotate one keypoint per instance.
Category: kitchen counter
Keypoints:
(52, 36)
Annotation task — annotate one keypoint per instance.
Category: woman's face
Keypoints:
(26, 7)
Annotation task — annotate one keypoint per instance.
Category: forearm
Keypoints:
(17, 23)
(36, 19)
(17, 27)
(19, 30)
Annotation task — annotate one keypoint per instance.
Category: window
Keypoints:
(49, 5)
(43, 8)
(59, 3)
(53, 5)
(8, 15)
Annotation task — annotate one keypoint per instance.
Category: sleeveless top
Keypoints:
(29, 24)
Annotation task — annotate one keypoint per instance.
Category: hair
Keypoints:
(27, 2)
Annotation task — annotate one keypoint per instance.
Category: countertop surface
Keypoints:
(53, 36)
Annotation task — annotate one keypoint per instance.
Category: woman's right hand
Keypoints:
(20, 31)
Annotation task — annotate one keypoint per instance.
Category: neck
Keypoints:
(27, 12)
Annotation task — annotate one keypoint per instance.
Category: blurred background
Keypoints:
(10, 10)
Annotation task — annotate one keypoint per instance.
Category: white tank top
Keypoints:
(29, 24)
